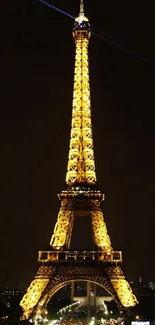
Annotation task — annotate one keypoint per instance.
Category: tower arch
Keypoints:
(64, 280)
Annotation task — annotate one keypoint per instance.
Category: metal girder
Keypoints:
(35, 290)
(121, 286)
(63, 228)
(100, 234)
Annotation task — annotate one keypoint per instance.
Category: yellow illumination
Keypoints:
(31, 298)
(78, 200)
(101, 237)
(63, 227)
(81, 164)
(122, 287)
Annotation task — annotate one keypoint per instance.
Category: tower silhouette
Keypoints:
(60, 266)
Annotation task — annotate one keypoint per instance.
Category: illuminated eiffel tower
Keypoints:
(60, 266)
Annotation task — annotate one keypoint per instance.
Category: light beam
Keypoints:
(121, 47)
(142, 58)
(53, 7)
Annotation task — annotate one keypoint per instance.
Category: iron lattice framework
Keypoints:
(60, 266)
(81, 165)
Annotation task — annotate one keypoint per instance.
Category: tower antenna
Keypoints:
(81, 8)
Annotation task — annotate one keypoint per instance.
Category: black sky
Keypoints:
(36, 82)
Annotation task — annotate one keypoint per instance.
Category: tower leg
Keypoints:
(63, 227)
(35, 290)
(121, 286)
(100, 234)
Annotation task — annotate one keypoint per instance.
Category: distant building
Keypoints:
(16, 290)
(143, 288)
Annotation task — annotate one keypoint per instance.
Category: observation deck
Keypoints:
(79, 257)
(76, 192)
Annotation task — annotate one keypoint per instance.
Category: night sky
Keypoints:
(36, 82)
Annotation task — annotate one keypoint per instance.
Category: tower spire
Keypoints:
(81, 8)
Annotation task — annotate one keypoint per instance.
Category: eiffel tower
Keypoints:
(60, 266)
